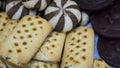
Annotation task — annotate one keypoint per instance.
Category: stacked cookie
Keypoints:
(61, 38)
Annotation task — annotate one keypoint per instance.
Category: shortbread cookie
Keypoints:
(8, 29)
(36, 4)
(37, 64)
(99, 63)
(16, 10)
(21, 45)
(3, 20)
(79, 48)
(52, 48)
(64, 15)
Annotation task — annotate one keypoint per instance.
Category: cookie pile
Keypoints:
(54, 33)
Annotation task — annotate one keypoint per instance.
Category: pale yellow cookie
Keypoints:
(52, 48)
(3, 20)
(37, 64)
(79, 48)
(99, 63)
(25, 40)
(8, 29)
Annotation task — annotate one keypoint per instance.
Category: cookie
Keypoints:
(24, 41)
(107, 23)
(52, 48)
(37, 64)
(36, 4)
(3, 20)
(16, 10)
(94, 5)
(79, 48)
(64, 15)
(11, 24)
(109, 50)
(99, 63)
(84, 18)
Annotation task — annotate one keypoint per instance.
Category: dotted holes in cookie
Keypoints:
(37, 66)
(6, 18)
(51, 65)
(85, 30)
(45, 66)
(98, 65)
(73, 38)
(32, 23)
(84, 57)
(0, 16)
(84, 43)
(16, 44)
(83, 50)
(29, 36)
(51, 52)
(77, 47)
(29, 19)
(23, 25)
(14, 37)
(85, 36)
(4, 24)
(40, 22)
(18, 31)
(76, 53)
(54, 39)
(24, 43)
(10, 51)
(71, 58)
(26, 30)
(18, 51)
(1, 29)
(66, 63)
(79, 33)
(72, 44)
(53, 46)
(21, 37)
(78, 41)
(77, 62)
(34, 29)
(71, 51)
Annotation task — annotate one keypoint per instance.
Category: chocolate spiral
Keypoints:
(64, 15)
(16, 10)
(36, 4)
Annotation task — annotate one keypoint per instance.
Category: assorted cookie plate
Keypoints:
(59, 33)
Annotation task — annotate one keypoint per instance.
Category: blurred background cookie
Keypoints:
(109, 50)
(94, 5)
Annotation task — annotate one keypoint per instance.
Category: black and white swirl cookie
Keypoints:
(64, 15)
(16, 10)
(36, 4)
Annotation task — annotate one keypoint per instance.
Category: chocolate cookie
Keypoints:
(109, 50)
(107, 23)
(16, 10)
(93, 5)
(64, 15)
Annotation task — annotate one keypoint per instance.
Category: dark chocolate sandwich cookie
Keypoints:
(107, 23)
(94, 5)
(109, 50)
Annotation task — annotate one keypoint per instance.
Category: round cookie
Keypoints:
(109, 50)
(36, 4)
(16, 10)
(94, 5)
(107, 23)
(85, 18)
(64, 15)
